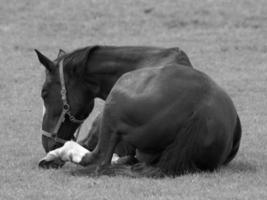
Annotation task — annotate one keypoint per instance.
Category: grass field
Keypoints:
(226, 39)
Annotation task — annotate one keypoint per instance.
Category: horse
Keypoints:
(176, 117)
(90, 72)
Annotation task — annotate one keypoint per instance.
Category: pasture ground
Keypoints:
(226, 39)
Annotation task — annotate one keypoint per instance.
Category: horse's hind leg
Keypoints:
(90, 141)
(105, 149)
(127, 160)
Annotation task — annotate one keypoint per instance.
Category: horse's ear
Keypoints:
(85, 58)
(61, 52)
(49, 65)
(89, 52)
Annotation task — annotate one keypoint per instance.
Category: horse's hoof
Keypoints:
(54, 164)
(44, 164)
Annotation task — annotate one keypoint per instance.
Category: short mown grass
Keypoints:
(225, 39)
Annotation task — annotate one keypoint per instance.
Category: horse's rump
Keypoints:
(185, 114)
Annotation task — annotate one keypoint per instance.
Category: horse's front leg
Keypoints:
(70, 151)
(73, 152)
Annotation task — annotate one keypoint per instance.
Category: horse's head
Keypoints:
(67, 97)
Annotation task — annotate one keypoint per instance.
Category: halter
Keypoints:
(65, 111)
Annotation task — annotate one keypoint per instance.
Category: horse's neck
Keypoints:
(110, 60)
(107, 65)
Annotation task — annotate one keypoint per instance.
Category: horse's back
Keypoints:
(130, 58)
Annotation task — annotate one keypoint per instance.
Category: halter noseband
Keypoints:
(65, 111)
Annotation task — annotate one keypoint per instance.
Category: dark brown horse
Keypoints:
(176, 117)
(89, 73)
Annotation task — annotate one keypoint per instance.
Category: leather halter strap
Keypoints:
(65, 111)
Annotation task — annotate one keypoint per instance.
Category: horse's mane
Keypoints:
(75, 61)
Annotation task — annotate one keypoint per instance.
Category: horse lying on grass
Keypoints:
(90, 72)
(177, 119)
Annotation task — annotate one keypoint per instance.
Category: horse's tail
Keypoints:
(176, 159)
(236, 141)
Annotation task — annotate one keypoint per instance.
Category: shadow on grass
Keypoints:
(83, 171)
(241, 166)
(234, 167)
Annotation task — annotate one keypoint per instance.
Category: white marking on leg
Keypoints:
(70, 151)
(73, 152)
(52, 155)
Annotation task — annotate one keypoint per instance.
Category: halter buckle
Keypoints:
(66, 107)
